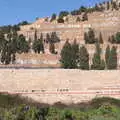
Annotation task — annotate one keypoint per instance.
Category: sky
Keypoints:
(15, 11)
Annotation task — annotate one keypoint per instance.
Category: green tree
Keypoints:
(35, 46)
(22, 44)
(63, 14)
(75, 54)
(66, 56)
(108, 5)
(48, 39)
(117, 37)
(112, 61)
(86, 37)
(107, 55)
(69, 55)
(83, 59)
(38, 45)
(90, 37)
(6, 54)
(97, 62)
(2, 41)
(54, 38)
(53, 17)
(82, 9)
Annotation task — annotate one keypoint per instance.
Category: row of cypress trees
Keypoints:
(73, 56)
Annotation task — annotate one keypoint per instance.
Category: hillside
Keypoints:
(40, 43)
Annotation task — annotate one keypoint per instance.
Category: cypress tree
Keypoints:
(66, 56)
(112, 61)
(97, 62)
(41, 45)
(107, 55)
(86, 38)
(90, 37)
(83, 58)
(100, 38)
(112, 39)
(35, 35)
(52, 48)
(75, 52)
(108, 5)
(117, 37)
(48, 39)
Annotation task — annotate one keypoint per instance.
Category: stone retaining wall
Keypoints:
(59, 85)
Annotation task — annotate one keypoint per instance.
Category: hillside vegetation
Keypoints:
(16, 108)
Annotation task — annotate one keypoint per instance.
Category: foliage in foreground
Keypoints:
(15, 108)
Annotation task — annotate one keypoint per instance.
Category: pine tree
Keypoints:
(83, 58)
(107, 55)
(112, 61)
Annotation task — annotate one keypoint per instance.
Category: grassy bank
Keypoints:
(17, 108)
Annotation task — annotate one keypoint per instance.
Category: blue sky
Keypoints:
(14, 11)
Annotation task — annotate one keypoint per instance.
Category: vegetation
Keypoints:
(38, 45)
(52, 48)
(115, 39)
(16, 108)
(97, 62)
(83, 59)
(73, 56)
(83, 10)
(89, 37)
(66, 56)
(7, 29)
(107, 55)
(11, 45)
(100, 38)
(112, 59)
(53, 17)
(85, 17)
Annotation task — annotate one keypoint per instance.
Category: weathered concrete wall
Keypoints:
(54, 85)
